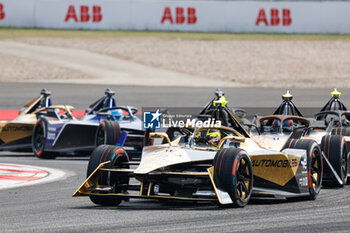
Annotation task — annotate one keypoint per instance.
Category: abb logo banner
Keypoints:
(87, 14)
(178, 15)
(186, 15)
(2, 12)
(277, 17)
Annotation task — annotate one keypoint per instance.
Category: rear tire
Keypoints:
(233, 173)
(107, 133)
(116, 155)
(344, 131)
(39, 137)
(335, 149)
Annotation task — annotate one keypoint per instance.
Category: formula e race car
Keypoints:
(103, 123)
(220, 164)
(329, 128)
(16, 135)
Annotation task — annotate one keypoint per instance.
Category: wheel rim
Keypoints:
(316, 169)
(100, 137)
(39, 138)
(244, 179)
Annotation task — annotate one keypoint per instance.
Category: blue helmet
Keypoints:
(117, 114)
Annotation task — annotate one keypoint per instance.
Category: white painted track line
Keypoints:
(18, 175)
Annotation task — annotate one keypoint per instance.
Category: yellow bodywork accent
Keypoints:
(90, 181)
(211, 176)
(123, 195)
(160, 135)
(287, 95)
(336, 93)
(149, 189)
(30, 105)
(278, 168)
(14, 131)
(222, 101)
(176, 141)
(231, 138)
(22, 126)
(58, 107)
(141, 188)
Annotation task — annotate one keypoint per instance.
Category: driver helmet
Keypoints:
(276, 126)
(287, 125)
(213, 136)
(329, 118)
(117, 114)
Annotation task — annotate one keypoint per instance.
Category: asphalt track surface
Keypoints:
(50, 207)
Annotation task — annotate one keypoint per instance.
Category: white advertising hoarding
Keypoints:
(17, 13)
(203, 16)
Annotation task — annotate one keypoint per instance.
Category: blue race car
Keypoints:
(58, 132)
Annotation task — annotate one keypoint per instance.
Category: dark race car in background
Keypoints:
(103, 123)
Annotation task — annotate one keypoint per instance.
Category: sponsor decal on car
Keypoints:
(14, 128)
(274, 163)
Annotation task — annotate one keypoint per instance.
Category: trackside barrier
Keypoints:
(200, 16)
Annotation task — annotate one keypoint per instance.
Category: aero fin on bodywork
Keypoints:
(90, 181)
(223, 197)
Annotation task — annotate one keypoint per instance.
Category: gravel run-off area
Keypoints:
(246, 63)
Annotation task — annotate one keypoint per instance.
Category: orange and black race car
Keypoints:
(16, 135)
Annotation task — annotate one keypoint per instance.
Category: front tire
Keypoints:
(39, 137)
(233, 173)
(116, 156)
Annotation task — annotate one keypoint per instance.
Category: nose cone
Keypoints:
(161, 156)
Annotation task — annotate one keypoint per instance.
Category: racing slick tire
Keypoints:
(39, 138)
(344, 131)
(335, 149)
(108, 132)
(314, 163)
(233, 173)
(116, 156)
